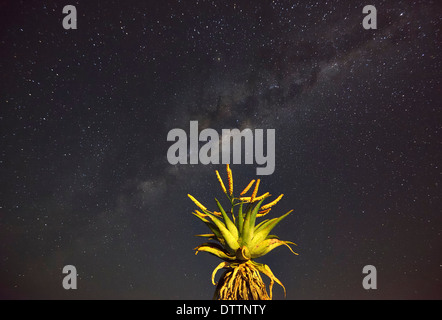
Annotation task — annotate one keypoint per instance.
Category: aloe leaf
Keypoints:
(220, 266)
(268, 245)
(231, 242)
(199, 217)
(240, 219)
(268, 272)
(229, 224)
(212, 228)
(215, 249)
(267, 227)
(247, 225)
(209, 236)
(253, 214)
(206, 235)
(258, 226)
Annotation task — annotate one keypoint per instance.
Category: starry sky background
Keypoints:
(85, 114)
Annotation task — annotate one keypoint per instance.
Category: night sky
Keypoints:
(84, 118)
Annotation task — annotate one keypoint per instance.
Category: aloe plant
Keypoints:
(238, 241)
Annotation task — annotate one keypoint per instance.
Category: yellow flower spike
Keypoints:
(262, 196)
(247, 188)
(199, 205)
(255, 191)
(220, 181)
(230, 179)
(203, 215)
(263, 212)
(271, 204)
(248, 199)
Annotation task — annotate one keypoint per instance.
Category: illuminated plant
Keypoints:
(238, 241)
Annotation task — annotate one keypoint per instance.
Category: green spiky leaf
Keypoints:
(254, 213)
(265, 229)
(206, 235)
(248, 228)
(229, 224)
(215, 249)
(259, 225)
(268, 245)
(240, 218)
(231, 242)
